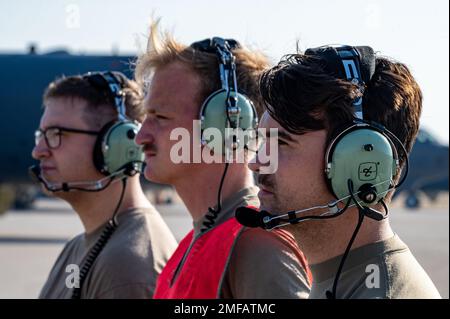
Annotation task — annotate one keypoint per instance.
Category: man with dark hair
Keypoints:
(348, 106)
(126, 243)
(218, 258)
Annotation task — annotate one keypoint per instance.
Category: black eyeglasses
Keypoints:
(53, 134)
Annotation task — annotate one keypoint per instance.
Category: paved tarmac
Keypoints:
(30, 241)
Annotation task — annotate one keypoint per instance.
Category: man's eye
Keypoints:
(281, 142)
(161, 117)
(54, 133)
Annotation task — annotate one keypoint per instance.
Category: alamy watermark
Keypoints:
(373, 276)
(229, 146)
(73, 277)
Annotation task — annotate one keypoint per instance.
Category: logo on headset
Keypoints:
(368, 171)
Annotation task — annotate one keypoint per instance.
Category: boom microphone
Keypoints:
(87, 186)
(251, 217)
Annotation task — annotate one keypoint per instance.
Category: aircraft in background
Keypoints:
(23, 80)
(428, 171)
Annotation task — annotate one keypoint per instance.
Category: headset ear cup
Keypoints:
(213, 115)
(364, 155)
(98, 157)
(328, 165)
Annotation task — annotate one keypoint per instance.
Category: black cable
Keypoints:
(122, 194)
(386, 209)
(212, 214)
(332, 294)
(109, 229)
(219, 195)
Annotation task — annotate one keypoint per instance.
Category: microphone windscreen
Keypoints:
(34, 172)
(250, 217)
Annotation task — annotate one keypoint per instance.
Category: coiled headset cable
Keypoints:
(212, 213)
(109, 229)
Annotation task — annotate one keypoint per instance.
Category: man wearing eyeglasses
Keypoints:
(76, 110)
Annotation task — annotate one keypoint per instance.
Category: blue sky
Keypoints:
(414, 32)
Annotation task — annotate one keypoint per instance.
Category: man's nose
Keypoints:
(145, 136)
(254, 164)
(41, 150)
(263, 157)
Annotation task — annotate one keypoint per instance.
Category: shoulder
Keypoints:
(262, 259)
(74, 242)
(274, 243)
(275, 247)
(406, 278)
(133, 257)
(145, 233)
(72, 250)
(394, 274)
(71, 254)
(139, 240)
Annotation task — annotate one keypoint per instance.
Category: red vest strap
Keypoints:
(204, 267)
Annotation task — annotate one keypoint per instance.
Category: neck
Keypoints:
(96, 208)
(325, 239)
(200, 190)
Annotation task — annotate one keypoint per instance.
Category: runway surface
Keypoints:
(30, 241)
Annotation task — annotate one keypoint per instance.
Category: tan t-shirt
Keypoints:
(262, 264)
(386, 269)
(128, 265)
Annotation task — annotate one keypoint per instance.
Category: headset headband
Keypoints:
(209, 45)
(355, 64)
(222, 48)
(111, 81)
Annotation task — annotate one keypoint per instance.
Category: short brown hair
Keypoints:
(96, 115)
(303, 97)
(163, 49)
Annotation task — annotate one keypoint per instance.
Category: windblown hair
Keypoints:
(163, 49)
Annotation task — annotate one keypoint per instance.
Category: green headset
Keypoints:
(363, 152)
(115, 148)
(226, 109)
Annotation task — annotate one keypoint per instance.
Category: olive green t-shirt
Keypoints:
(262, 264)
(128, 265)
(382, 270)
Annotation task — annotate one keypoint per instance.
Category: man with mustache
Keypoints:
(126, 243)
(218, 258)
(348, 106)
